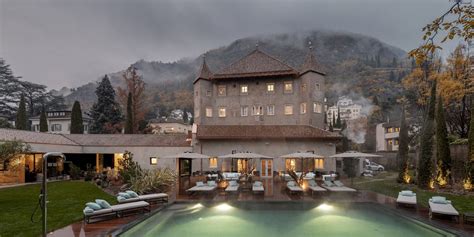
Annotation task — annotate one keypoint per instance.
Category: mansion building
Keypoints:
(261, 104)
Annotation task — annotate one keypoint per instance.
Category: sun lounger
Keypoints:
(231, 175)
(150, 198)
(232, 187)
(210, 186)
(294, 187)
(314, 187)
(309, 176)
(257, 187)
(406, 197)
(115, 210)
(439, 205)
(337, 186)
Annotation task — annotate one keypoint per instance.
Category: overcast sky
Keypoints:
(71, 42)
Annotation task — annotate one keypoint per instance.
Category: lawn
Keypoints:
(66, 201)
(386, 184)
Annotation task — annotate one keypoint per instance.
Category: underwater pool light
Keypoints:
(224, 207)
(325, 207)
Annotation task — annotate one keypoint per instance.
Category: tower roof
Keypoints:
(205, 72)
(310, 64)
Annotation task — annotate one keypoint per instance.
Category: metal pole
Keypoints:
(44, 194)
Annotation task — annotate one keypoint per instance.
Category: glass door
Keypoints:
(185, 167)
(266, 168)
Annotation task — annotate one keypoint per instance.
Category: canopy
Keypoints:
(188, 155)
(353, 154)
(302, 155)
(244, 155)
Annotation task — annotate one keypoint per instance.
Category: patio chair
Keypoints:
(134, 197)
(114, 210)
(309, 176)
(337, 186)
(406, 197)
(210, 186)
(293, 187)
(233, 187)
(257, 187)
(314, 187)
(439, 205)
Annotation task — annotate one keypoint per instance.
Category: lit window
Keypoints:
(318, 87)
(209, 112)
(270, 109)
(290, 164)
(288, 87)
(257, 110)
(397, 129)
(244, 89)
(389, 130)
(303, 108)
(213, 162)
(288, 109)
(317, 107)
(221, 90)
(153, 161)
(244, 111)
(270, 87)
(222, 113)
(390, 142)
(319, 163)
(396, 141)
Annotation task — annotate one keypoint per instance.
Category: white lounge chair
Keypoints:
(309, 176)
(257, 187)
(210, 186)
(406, 197)
(115, 210)
(314, 187)
(232, 187)
(439, 205)
(337, 186)
(294, 187)
(150, 198)
(231, 175)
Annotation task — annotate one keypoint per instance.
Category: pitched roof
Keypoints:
(310, 64)
(256, 64)
(263, 131)
(34, 137)
(205, 72)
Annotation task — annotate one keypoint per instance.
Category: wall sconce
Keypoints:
(153, 161)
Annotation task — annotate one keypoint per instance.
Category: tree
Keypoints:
(136, 87)
(338, 120)
(443, 155)
(34, 95)
(9, 90)
(21, 122)
(43, 126)
(105, 113)
(394, 62)
(77, 123)
(403, 149)
(426, 144)
(185, 116)
(333, 124)
(5, 124)
(10, 151)
(129, 118)
(349, 168)
(129, 169)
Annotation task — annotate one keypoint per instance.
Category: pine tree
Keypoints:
(426, 144)
(77, 123)
(129, 119)
(21, 122)
(185, 116)
(105, 113)
(333, 119)
(338, 121)
(403, 149)
(43, 126)
(443, 154)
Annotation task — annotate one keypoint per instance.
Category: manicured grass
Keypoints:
(388, 186)
(66, 202)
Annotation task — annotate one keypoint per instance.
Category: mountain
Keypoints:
(354, 64)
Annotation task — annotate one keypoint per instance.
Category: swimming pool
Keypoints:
(279, 219)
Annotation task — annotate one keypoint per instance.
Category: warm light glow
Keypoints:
(431, 184)
(467, 184)
(325, 207)
(406, 177)
(224, 207)
(197, 206)
(440, 179)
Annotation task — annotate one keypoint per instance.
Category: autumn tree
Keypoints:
(135, 86)
(129, 116)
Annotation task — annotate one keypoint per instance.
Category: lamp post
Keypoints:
(44, 193)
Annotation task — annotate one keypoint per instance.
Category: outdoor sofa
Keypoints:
(439, 205)
(406, 197)
(92, 212)
(131, 196)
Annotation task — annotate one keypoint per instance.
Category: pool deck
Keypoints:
(275, 190)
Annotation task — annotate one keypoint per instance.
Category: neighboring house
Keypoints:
(59, 122)
(346, 108)
(387, 136)
(169, 127)
(261, 104)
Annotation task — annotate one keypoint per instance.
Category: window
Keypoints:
(270, 109)
(222, 113)
(86, 127)
(36, 127)
(244, 111)
(196, 93)
(257, 110)
(213, 162)
(288, 109)
(319, 163)
(208, 93)
(208, 112)
(303, 87)
(389, 130)
(56, 127)
(290, 164)
(153, 161)
(317, 107)
(221, 90)
(396, 141)
(397, 129)
(244, 89)
(303, 108)
(270, 87)
(318, 87)
(390, 142)
(288, 88)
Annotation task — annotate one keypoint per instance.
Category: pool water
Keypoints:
(279, 219)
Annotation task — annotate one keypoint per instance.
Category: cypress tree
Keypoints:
(338, 121)
(105, 113)
(129, 118)
(43, 126)
(77, 124)
(185, 116)
(443, 154)
(470, 162)
(403, 148)
(426, 144)
(333, 120)
(21, 122)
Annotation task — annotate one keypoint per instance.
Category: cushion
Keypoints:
(408, 193)
(125, 195)
(439, 200)
(94, 206)
(258, 184)
(328, 183)
(132, 193)
(200, 184)
(121, 198)
(88, 210)
(291, 183)
(232, 183)
(211, 183)
(312, 183)
(104, 204)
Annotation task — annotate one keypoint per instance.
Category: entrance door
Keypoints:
(185, 167)
(266, 168)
